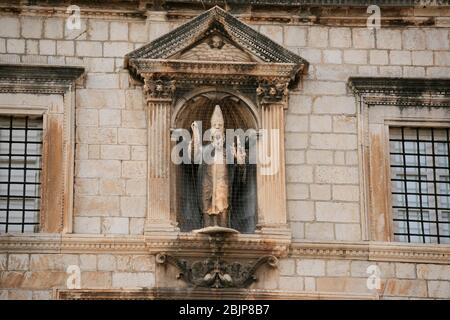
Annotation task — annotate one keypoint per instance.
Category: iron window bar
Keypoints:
(423, 181)
(418, 199)
(421, 167)
(418, 208)
(20, 193)
(420, 235)
(425, 221)
(415, 154)
(423, 194)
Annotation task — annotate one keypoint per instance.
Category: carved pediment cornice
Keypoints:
(163, 57)
(184, 68)
(267, 80)
(191, 32)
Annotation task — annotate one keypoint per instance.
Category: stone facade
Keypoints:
(324, 176)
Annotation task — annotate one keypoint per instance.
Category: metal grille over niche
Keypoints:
(240, 178)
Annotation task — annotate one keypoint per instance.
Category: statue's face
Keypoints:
(217, 126)
(216, 42)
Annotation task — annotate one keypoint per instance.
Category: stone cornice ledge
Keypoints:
(247, 246)
(400, 86)
(71, 243)
(241, 245)
(200, 293)
(401, 91)
(41, 79)
(376, 251)
(214, 68)
(358, 3)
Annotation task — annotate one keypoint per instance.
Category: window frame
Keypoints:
(47, 91)
(382, 103)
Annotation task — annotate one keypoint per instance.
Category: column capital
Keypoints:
(273, 90)
(159, 88)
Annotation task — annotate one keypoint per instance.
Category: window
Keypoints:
(420, 184)
(20, 173)
(404, 154)
(37, 147)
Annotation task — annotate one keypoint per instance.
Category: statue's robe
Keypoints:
(236, 185)
(215, 184)
(235, 194)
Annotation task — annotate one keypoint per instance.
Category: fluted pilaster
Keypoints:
(271, 170)
(159, 162)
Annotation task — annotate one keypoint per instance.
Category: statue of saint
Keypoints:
(214, 175)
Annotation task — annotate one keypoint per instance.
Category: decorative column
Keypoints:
(159, 93)
(272, 217)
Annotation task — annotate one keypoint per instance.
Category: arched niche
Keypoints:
(186, 185)
(237, 112)
(214, 57)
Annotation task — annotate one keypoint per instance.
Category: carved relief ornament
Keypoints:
(272, 90)
(159, 87)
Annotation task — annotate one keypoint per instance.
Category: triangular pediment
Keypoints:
(215, 47)
(195, 40)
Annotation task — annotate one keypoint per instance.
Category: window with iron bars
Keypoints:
(20, 173)
(420, 184)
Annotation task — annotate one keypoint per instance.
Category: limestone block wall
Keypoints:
(33, 276)
(398, 280)
(322, 163)
(111, 127)
(321, 129)
(323, 176)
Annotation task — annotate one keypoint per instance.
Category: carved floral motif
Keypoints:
(159, 87)
(272, 90)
